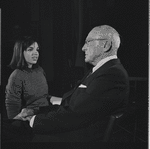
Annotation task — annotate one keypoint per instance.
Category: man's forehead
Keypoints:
(92, 34)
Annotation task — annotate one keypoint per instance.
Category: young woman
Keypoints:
(27, 86)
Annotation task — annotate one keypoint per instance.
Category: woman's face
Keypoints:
(31, 54)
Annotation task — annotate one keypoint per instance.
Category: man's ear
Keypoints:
(107, 46)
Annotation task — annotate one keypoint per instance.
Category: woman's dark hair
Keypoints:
(18, 60)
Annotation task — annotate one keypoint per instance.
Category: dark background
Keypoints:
(62, 26)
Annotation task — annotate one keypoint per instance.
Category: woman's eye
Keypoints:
(29, 49)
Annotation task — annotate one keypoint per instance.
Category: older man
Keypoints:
(102, 93)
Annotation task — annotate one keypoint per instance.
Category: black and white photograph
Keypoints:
(74, 71)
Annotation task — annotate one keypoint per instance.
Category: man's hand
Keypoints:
(28, 118)
(18, 117)
(25, 114)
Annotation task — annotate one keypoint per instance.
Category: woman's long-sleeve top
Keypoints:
(26, 88)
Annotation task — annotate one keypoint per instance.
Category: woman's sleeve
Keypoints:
(13, 94)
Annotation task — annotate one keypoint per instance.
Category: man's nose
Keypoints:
(84, 48)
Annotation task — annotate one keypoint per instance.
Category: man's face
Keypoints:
(93, 47)
(31, 54)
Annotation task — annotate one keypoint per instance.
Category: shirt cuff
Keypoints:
(32, 121)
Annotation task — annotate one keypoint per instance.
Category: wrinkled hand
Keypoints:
(25, 114)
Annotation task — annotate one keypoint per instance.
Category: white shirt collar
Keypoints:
(103, 61)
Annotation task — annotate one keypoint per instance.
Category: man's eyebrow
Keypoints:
(88, 40)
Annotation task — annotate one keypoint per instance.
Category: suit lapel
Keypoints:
(66, 99)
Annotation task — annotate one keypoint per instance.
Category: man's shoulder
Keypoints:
(113, 68)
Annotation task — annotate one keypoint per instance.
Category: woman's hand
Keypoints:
(24, 114)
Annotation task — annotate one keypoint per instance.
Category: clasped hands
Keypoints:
(25, 114)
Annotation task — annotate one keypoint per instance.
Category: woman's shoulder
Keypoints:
(17, 73)
(39, 69)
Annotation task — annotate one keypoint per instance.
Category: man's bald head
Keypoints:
(107, 32)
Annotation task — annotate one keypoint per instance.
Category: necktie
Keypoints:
(89, 74)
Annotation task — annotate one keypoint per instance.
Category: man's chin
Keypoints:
(87, 60)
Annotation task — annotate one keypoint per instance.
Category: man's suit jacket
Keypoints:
(103, 93)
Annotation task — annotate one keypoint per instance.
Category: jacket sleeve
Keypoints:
(87, 105)
(13, 94)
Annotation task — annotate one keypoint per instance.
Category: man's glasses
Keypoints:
(88, 41)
